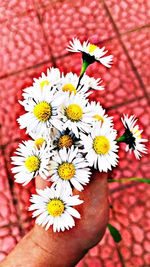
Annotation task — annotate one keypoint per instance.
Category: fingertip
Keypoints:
(99, 175)
(40, 183)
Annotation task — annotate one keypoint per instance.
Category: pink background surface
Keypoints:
(33, 36)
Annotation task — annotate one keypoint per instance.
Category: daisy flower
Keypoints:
(76, 115)
(42, 112)
(100, 147)
(69, 83)
(37, 143)
(55, 208)
(90, 52)
(92, 83)
(100, 114)
(51, 78)
(68, 168)
(132, 136)
(65, 139)
(30, 162)
(48, 136)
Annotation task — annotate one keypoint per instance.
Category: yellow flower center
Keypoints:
(92, 48)
(42, 111)
(32, 163)
(55, 207)
(39, 142)
(101, 145)
(65, 141)
(44, 83)
(138, 134)
(66, 171)
(98, 117)
(69, 88)
(74, 112)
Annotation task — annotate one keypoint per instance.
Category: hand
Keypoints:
(45, 248)
(89, 230)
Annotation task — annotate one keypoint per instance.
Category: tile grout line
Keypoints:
(126, 52)
(25, 69)
(126, 103)
(45, 37)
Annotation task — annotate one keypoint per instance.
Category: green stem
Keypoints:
(125, 180)
(85, 64)
(121, 139)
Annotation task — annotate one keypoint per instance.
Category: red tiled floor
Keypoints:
(7, 210)
(43, 3)
(121, 84)
(129, 14)
(103, 255)
(139, 53)
(22, 44)
(9, 236)
(134, 225)
(63, 20)
(13, 8)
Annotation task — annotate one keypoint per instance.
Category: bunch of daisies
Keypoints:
(69, 136)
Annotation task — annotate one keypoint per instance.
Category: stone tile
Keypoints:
(121, 84)
(23, 195)
(129, 14)
(102, 255)
(63, 20)
(9, 236)
(138, 45)
(13, 8)
(22, 44)
(43, 3)
(7, 211)
(135, 242)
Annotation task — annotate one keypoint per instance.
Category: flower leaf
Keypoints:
(114, 233)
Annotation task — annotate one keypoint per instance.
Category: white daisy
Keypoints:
(76, 115)
(70, 81)
(132, 136)
(65, 139)
(55, 207)
(48, 136)
(51, 78)
(99, 114)
(101, 147)
(30, 162)
(92, 83)
(68, 168)
(42, 112)
(90, 52)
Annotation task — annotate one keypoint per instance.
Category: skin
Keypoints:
(65, 249)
